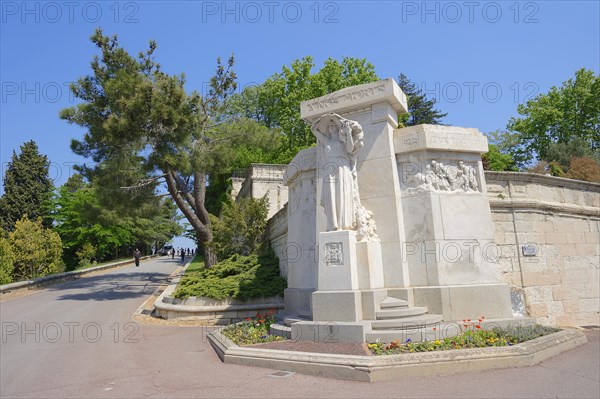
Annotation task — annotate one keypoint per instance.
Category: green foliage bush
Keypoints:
(241, 227)
(6, 260)
(37, 250)
(496, 160)
(240, 277)
(85, 254)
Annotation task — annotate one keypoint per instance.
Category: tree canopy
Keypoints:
(420, 109)
(85, 221)
(142, 118)
(564, 122)
(276, 102)
(27, 188)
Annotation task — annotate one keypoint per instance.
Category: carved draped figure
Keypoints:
(337, 146)
(337, 195)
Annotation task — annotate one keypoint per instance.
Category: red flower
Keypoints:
(434, 328)
(477, 326)
(247, 319)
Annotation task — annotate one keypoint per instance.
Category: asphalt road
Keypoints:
(77, 339)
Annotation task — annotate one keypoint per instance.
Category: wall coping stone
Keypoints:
(541, 179)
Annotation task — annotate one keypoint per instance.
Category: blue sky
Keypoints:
(480, 59)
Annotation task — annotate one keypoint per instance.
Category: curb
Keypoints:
(177, 273)
(66, 276)
(391, 367)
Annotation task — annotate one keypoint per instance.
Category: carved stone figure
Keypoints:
(339, 140)
(439, 177)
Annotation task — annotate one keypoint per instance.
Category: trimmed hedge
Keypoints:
(239, 277)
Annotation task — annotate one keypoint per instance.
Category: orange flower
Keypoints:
(465, 325)
(480, 320)
(469, 320)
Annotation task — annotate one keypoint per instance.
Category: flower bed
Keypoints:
(253, 330)
(476, 338)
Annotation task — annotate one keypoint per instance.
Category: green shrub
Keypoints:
(85, 255)
(240, 277)
(6, 261)
(241, 227)
(37, 250)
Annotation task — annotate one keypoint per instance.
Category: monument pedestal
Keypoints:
(462, 302)
(452, 258)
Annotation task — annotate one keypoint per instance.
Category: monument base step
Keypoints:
(406, 323)
(391, 302)
(281, 330)
(288, 320)
(392, 313)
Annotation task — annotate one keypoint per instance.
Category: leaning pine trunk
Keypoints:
(210, 257)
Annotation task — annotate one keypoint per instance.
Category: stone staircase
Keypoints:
(397, 320)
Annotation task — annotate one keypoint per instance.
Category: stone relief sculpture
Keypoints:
(438, 177)
(339, 140)
(334, 253)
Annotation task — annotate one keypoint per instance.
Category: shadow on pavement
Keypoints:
(112, 286)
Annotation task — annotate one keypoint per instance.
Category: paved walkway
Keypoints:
(77, 339)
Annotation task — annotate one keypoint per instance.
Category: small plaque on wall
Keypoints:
(529, 250)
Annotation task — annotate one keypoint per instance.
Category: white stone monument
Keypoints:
(387, 226)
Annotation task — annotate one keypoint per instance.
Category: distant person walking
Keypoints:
(182, 254)
(137, 255)
(172, 253)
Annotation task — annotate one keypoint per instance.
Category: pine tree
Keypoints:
(420, 109)
(27, 188)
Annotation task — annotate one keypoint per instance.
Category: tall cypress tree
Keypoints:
(420, 109)
(27, 188)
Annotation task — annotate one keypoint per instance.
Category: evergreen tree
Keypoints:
(140, 119)
(27, 188)
(420, 109)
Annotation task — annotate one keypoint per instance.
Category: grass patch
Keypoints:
(252, 331)
(469, 339)
(196, 265)
(239, 277)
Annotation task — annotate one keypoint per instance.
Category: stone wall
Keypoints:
(264, 179)
(556, 221)
(548, 236)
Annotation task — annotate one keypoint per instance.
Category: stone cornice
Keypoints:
(491, 176)
(544, 206)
